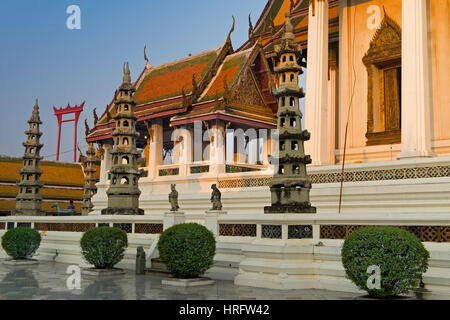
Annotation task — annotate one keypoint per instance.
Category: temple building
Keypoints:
(375, 95)
(365, 144)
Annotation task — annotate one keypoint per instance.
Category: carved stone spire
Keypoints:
(89, 180)
(289, 29)
(29, 198)
(123, 193)
(126, 74)
(291, 185)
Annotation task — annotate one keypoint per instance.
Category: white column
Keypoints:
(156, 146)
(265, 145)
(252, 145)
(184, 149)
(105, 164)
(416, 89)
(316, 108)
(217, 147)
(332, 105)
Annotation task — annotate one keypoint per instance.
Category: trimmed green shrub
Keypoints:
(399, 254)
(21, 243)
(187, 250)
(104, 247)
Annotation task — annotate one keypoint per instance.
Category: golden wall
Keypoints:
(358, 21)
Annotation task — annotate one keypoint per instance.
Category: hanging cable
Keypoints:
(349, 108)
(71, 150)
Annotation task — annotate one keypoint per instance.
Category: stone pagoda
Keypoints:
(29, 198)
(89, 180)
(291, 185)
(123, 193)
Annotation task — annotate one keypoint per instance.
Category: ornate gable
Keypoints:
(247, 93)
(386, 41)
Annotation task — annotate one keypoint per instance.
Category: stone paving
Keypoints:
(47, 281)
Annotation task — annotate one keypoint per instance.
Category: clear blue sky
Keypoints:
(40, 57)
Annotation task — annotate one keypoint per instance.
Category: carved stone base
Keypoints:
(304, 207)
(123, 211)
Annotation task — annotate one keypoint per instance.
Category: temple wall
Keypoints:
(440, 73)
(439, 46)
(355, 26)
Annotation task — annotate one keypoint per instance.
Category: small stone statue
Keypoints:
(140, 260)
(216, 197)
(173, 198)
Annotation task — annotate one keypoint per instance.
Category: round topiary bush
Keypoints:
(187, 250)
(21, 243)
(104, 247)
(399, 254)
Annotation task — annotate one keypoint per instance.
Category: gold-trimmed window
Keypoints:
(383, 63)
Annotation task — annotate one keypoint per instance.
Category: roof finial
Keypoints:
(272, 24)
(231, 31)
(95, 117)
(126, 73)
(250, 26)
(292, 6)
(148, 65)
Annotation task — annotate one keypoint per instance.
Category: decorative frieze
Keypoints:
(424, 233)
(237, 230)
(63, 227)
(349, 176)
(148, 228)
(127, 227)
(169, 172)
(300, 232)
(199, 169)
(271, 231)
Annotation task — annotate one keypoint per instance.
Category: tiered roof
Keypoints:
(178, 89)
(62, 182)
(235, 94)
(160, 88)
(270, 25)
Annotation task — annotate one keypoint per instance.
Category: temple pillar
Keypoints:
(156, 148)
(252, 146)
(183, 150)
(105, 163)
(317, 108)
(217, 147)
(416, 80)
(332, 104)
(265, 145)
(240, 145)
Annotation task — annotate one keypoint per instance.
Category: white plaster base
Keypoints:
(102, 272)
(196, 282)
(173, 218)
(21, 262)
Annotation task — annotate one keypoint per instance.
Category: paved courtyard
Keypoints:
(47, 280)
